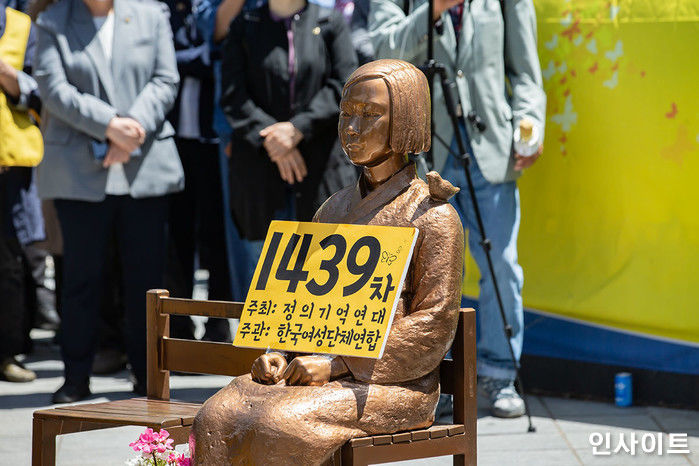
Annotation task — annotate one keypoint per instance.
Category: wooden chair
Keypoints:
(165, 354)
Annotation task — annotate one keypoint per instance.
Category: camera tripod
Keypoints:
(432, 68)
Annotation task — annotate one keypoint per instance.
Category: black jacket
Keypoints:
(255, 82)
(193, 60)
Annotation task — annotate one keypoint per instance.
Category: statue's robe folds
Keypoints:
(250, 423)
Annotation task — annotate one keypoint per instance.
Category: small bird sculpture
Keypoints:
(440, 189)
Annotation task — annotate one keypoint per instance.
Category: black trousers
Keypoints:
(140, 229)
(197, 226)
(15, 317)
(13, 310)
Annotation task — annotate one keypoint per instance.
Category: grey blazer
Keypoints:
(81, 93)
(478, 66)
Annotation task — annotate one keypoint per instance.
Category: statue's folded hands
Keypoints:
(272, 368)
(269, 368)
(308, 370)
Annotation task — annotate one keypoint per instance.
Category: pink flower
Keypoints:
(137, 445)
(148, 436)
(150, 442)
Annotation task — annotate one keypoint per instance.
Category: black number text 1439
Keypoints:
(296, 274)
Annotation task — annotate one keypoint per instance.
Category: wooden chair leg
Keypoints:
(37, 434)
(44, 442)
(471, 449)
(354, 457)
(180, 434)
(348, 457)
(468, 458)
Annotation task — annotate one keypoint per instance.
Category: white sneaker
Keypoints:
(501, 394)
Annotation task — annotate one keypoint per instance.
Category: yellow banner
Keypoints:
(610, 223)
(326, 288)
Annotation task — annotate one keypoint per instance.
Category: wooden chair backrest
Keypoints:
(167, 354)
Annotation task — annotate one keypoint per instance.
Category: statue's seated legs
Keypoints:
(250, 423)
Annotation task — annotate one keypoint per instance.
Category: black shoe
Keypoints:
(218, 330)
(71, 392)
(108, 361)
(139, 384)
(140, 389)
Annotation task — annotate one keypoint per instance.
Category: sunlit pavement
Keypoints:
(562, 437)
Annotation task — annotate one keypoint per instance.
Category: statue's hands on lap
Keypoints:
(269, 368)
(308, 370)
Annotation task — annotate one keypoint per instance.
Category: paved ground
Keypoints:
(563, 426)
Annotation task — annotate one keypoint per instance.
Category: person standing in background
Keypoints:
(213, 19)
(27, 216)
(21, 222)
(281, 98)
(196, 214)
(109, 164)
(489, 50)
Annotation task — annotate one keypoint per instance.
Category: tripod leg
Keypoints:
(499, 208)
(485, 242)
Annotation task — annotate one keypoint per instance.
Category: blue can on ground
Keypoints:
(623, 389)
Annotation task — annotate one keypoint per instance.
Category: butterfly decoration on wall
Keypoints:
(614, 54)
(612, 82)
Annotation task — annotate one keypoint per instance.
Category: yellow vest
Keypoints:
(21, 144)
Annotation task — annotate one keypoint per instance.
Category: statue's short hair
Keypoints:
(410, 102)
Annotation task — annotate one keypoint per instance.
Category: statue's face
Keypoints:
(365, 122)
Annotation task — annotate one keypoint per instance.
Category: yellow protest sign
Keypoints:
(326, 288)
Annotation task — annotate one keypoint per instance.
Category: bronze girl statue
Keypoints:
(302, 411)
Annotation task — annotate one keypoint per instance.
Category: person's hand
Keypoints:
(126, 133)
(7, 70)
(115, 154)
(522, 162)
(308, 370)
(268, 368)
(440, 6)
(292, 167)
(228, 150)
(8, 79)
(280, 138)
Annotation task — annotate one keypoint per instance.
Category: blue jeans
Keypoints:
(499, 207)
